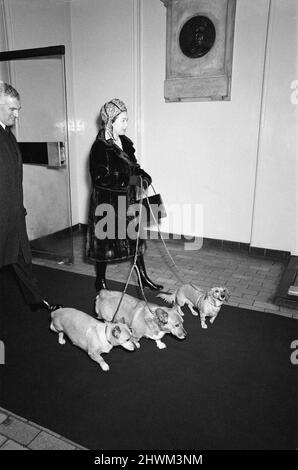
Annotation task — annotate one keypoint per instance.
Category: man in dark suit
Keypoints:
(14, 245)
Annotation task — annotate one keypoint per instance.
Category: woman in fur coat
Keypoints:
(116, 183)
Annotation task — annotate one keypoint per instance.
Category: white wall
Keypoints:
(210, 153)
(102, 40)
(4, 70)
(31, 24)
(200, 153)
(46, 189)
(207, 148)
(197, 152)
(275, 222)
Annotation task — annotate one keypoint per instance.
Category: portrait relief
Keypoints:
(199, 49)
(197, 37)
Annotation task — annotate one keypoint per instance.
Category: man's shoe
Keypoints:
(45, 305)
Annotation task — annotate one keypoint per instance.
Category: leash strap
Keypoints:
(174, 267)
(134, 265)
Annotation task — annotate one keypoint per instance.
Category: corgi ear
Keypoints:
(162, 315)
(116, 332)
(179, 316)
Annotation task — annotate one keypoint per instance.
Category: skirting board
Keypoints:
(211, 242)
(285, 295)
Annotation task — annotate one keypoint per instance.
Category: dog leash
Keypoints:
(134, 265)
(174, 268)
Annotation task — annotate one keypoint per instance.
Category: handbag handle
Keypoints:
(153, 188)
(145, 190)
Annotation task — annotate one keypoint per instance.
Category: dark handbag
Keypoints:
(153, 209)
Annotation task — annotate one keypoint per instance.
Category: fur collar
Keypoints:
(128, 152)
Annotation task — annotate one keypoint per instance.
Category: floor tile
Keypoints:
(12, 445)
(46, 441)
(3, 417)
(2, 439)
(18, 430)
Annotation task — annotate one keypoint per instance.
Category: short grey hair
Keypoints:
(8, 90)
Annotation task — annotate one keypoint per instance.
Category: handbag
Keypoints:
(153, 209)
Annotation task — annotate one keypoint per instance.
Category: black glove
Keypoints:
(113, 180)
(140, 181)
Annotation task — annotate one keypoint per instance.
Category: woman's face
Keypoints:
(120, 124)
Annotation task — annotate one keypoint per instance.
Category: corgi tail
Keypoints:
(169, 298)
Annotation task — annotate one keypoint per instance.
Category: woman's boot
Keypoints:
(145, 280)
(100, 282)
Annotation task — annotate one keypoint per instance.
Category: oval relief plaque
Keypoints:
(197, 37)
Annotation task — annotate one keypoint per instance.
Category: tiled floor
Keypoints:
(251, 280)
(17, 433)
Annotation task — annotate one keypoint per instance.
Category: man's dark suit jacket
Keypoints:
(13, 234)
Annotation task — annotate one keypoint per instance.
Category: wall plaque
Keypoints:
(200, 36)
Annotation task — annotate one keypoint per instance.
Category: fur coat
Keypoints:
(115, 186)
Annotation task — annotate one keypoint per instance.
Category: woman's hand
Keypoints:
(140, 181)
(114, 180)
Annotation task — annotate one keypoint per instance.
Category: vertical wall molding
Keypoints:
(6, 21)
(137, 76)
(3, 37)
(266, 67)
(8, 24)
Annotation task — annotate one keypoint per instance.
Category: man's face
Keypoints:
(9, 110)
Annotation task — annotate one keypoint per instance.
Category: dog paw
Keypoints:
(61, 339)
(204, 326)
(105, 367)
(195, 314)
(160, 345)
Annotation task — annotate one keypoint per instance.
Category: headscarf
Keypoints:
(110, 111)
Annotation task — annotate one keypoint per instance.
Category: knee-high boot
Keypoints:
(145, 280)
(100, 282)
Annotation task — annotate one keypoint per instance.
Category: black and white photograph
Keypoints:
(149, 230)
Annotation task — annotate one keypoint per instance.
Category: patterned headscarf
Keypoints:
(110, 111)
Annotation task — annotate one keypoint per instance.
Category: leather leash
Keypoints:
(134, 265)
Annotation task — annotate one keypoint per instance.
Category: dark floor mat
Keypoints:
(231, 386)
